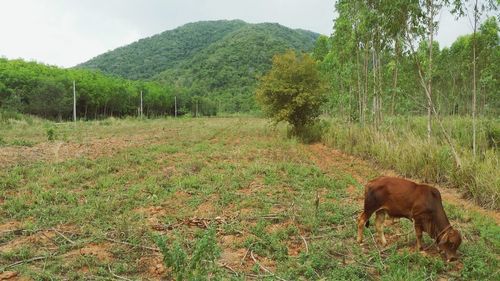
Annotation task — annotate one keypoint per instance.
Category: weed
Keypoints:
(21, 142)
(195, 264)
(51, 134)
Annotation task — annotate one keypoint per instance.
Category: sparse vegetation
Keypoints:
(115, 190)
(130, 197)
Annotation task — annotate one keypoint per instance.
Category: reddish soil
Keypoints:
(41, 239)
(12, 276)
(61, 151)
(152, 267)
(100, 251)
(153, 214)
(9, 226)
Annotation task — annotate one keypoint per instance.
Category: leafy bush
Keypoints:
(293, 92)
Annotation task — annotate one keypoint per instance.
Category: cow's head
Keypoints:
(449, 243)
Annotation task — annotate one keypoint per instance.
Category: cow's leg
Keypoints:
(418, 235)
(361, 223)
(379, 226)
(370, 206)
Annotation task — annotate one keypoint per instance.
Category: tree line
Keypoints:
(383, 59)
(47, 91)
(382, 55)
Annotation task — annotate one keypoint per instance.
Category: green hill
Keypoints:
(216, 59)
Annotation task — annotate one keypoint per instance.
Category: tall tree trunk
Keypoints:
(474, 149)
(360, 94)
(429, 83)
(365, 96)
(380, 86)
(395, 81)
(351, 92)
(375, 106)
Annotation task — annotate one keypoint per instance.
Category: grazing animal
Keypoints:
(418, 202)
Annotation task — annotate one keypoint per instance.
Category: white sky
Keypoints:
(68, 32)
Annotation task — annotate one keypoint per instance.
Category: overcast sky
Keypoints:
(67, 32)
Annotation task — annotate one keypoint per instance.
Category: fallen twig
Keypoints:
(264, 268)
(258, 276)
(267, 216)
(133, 245)
(351, 257)
(305, 242)
(246, 254)
(317, 237)
(118, 276)
(24, 261)
(378, 249)
(63, 236)
(15, 231)
(229, 268)
(194, 221)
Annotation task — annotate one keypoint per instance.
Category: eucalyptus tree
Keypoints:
(367, 41)
(479, 8)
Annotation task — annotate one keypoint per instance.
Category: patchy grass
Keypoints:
(228, 198)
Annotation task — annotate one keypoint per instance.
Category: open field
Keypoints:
(225, 198)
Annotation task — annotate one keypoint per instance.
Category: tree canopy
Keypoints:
(380, 58)
(292, 91)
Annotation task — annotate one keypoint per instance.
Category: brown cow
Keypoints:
(418, 202)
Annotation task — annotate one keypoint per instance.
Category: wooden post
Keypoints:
(74, 101)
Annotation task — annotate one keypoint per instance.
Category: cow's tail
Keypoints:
(368, 186)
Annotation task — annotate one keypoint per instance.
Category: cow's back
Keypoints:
(399, 197)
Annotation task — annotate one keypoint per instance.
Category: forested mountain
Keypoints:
(150, 56)
(218, 59)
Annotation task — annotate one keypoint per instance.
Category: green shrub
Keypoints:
(293, 92)
(51, 134)
(187, 264)
(310, 133)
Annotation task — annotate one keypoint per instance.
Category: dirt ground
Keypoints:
(233, 256)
